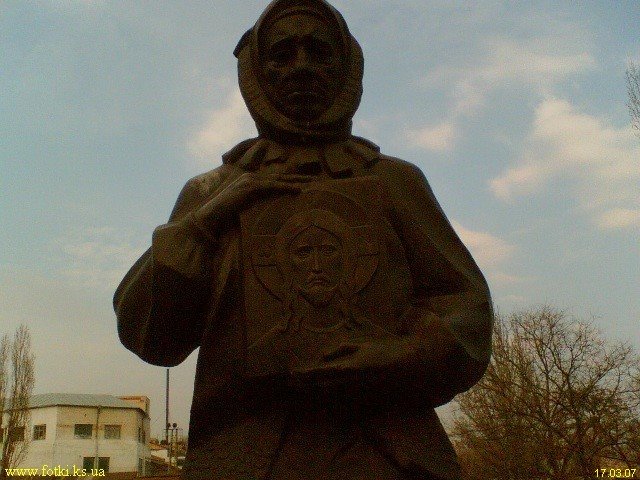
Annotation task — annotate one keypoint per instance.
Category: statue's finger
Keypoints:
(280, 186)
(341, 351)
(291, 177)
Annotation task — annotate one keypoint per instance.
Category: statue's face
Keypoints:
(301, 63)
(317, 265)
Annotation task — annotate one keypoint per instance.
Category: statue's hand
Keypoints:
(365, 361)
(243, 191)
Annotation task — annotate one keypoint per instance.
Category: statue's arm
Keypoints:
(451, 315)
(162, 301)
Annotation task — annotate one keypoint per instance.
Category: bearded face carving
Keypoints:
(316, 265)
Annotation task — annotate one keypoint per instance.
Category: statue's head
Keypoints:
(301, 63)
(300, 71)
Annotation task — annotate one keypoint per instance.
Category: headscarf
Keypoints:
(335, 123)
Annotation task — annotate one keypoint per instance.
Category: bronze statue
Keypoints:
(333, 304)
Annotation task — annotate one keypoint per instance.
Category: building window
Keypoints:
(112, 431)
(16, 434)
(83, 430)
(103, 464)
(39, 432)
(88, 464)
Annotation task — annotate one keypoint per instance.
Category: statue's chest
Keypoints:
(320, 268)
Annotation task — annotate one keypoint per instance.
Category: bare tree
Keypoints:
(633, 89)
(557, 402)
(16, 385)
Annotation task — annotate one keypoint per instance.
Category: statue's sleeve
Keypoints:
(451, 306)
(162, 302)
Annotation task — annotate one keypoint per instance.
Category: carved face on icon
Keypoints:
(317, 265)
(301, 62)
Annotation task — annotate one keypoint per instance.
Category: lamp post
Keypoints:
(173, 432)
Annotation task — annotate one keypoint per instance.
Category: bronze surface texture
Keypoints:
(333, 303)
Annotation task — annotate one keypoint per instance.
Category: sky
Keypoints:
(515, 111)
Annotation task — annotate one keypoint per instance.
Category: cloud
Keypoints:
(538, 64)
(366, 127)
(488, 250)
(581, 139)
(224, 128)
(619, 218)
(96, 257)
(437, 138)
(599, 161)
(507, 279)
(468, 97)
(523, 179)
(512, 302)
(492, 255)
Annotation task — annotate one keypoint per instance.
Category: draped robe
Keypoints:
(187, 291)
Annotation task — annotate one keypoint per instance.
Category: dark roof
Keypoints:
(79, 400)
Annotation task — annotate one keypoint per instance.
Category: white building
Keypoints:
(70, 430)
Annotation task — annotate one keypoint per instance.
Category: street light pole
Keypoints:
(166, 413)
(172, 445)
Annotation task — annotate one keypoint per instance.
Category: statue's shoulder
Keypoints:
(380, 163)
(396, 168)
(405, 181)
